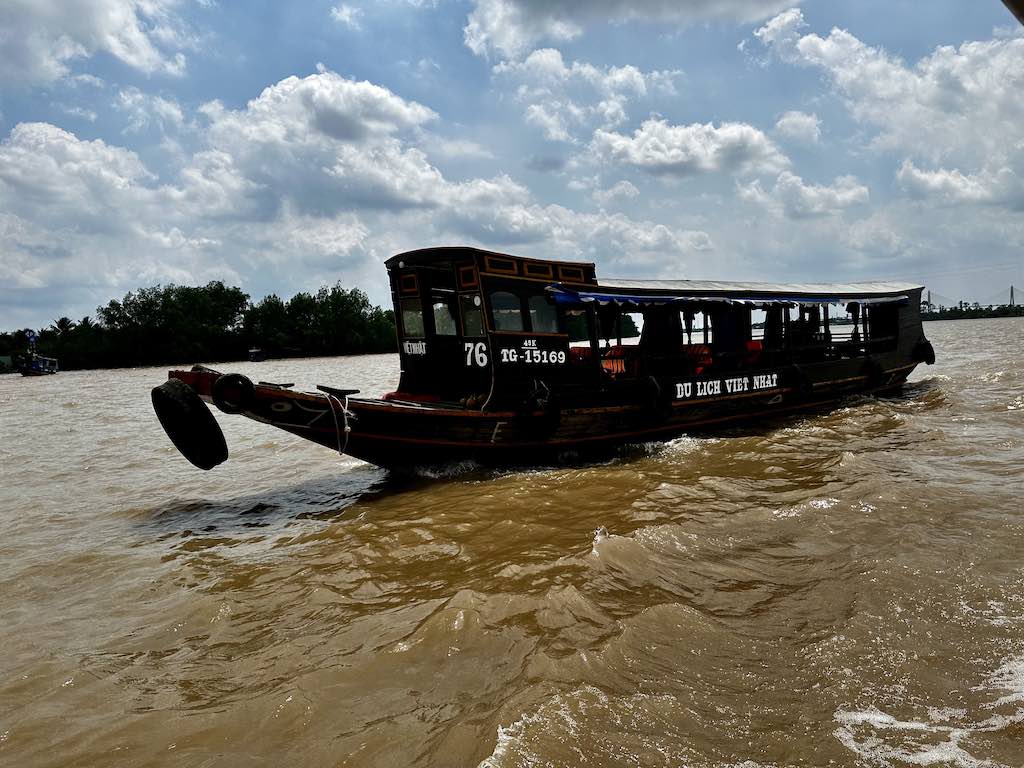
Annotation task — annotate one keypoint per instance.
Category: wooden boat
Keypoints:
(508, 360)
(37, 365)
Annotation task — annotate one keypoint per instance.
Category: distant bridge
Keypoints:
(1005, 297)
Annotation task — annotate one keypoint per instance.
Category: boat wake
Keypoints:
(883, 739)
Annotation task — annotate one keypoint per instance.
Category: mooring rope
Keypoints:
(345, 413)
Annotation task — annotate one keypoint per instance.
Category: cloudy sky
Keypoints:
(281, 146)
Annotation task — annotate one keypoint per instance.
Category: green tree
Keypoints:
(215, 322)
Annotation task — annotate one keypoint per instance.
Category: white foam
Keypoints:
(945, 714)
(877, 749)
(1009, 677)
(507, 738)
(822, 503)
(796, 511)
(880, 738)
(447, 471)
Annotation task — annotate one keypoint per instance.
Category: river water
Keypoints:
(838, 589)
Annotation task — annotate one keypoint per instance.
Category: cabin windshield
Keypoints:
(506, 311)
(445, 312)
(412, 319)
(542, 315)
(472, 316)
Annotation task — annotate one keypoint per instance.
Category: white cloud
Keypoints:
(783, 32)
(76, 111)
(84, 219)
(41, 38)
(347, 15)
(323, 145)
(798, 200)
(503, 27)
(336, 142)
(1001, 186)
(662, 149)
(90, 81)
(557, 231)
(318, 108)
(451, 149)
(322, 239)
(278, 195)
(213, 186)
(144, 110)
(799, 127)
(958, 103)
(42, 165)
(553, 119)
(883, 233)
(510, 28)
(621, 190)
(563, 100)
(545, 70)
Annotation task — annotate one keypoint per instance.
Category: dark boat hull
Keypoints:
(401, 435)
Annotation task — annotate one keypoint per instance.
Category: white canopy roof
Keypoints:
(646, 292)
(704, 287)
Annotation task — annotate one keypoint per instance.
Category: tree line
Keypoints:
(214, 322)
(965, 311)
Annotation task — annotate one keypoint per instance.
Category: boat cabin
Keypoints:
(37, 365)
(482, 329)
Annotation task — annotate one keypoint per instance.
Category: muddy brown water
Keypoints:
(835, 589)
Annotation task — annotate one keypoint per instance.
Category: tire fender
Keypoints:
(189, 424)
(233, 393)
(924, 352)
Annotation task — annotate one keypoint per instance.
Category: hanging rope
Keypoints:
(345, 413)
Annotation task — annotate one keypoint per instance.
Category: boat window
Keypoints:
(697, 327)
(444, 315)
(804, 326)
(542, 315)
(412, 318)
(472, 316)
(631, 327)
(506, 311)
(576, 325)
(758, 318)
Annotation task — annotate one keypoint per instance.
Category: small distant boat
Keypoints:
(257, 355)
(508, 360)
(37, 365)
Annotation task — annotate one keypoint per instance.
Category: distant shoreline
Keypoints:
(159, 325)
(972, 313)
